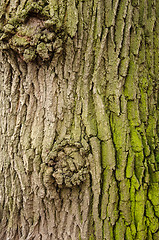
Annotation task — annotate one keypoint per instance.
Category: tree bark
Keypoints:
(79, 120)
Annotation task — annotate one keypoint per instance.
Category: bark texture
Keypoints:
(79, 120)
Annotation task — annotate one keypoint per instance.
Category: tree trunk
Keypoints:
(79, 120)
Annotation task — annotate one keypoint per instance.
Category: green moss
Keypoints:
(134, 185)
(144, 83)
(92, 237)
(140, 195)
(157, 155)
(143, 104)
(149, 235)
(154, 175)
(120, 229)
(140, 210)
(133, 230)
(130, 164)
(152, 220)
(151, 160)
(156, 236)
(146, 173)
(128, 234)
(133, 113)
(139, 165)
(141, 235)
(131, 80)
(141, 130)
(119, 126)
(153, 195)
(151, 131)
(136, 140)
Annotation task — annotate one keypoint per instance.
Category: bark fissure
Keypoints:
(79, 120)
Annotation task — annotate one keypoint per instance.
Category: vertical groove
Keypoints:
(87, 98)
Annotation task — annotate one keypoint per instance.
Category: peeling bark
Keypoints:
(79, 112)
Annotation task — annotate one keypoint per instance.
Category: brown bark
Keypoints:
(79, 120)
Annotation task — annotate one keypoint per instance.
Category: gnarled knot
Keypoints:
(69, 165)
(34, 38)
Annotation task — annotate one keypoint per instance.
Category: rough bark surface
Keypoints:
(79, 112)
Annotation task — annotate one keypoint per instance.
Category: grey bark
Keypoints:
(79, 120)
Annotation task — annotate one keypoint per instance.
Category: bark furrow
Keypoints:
(79, 120)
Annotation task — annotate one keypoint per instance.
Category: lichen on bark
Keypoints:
(79, 112)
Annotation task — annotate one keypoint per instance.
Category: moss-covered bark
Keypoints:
(79, 112)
